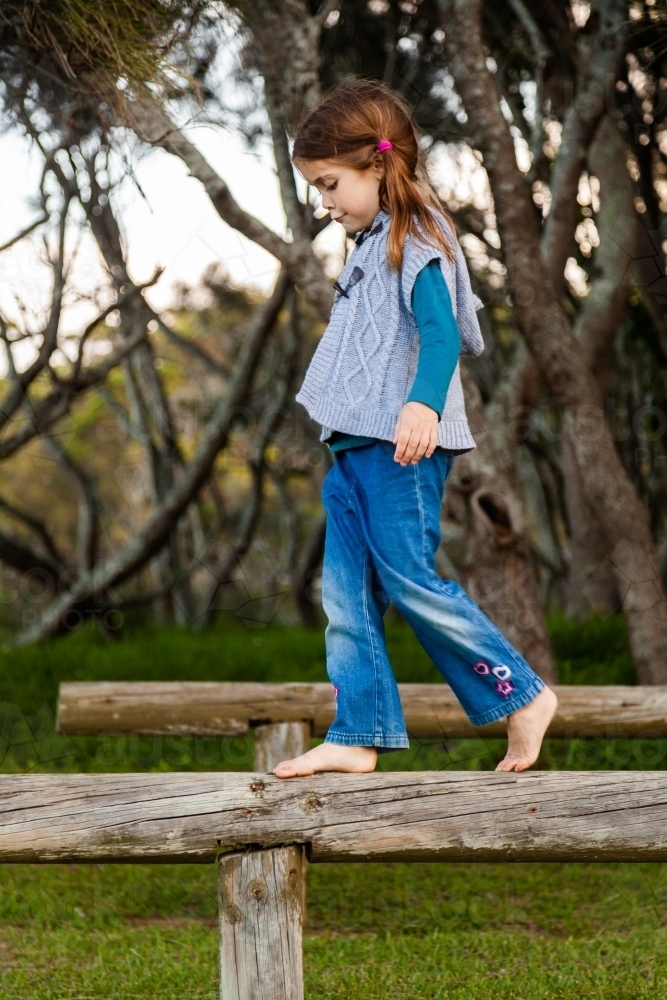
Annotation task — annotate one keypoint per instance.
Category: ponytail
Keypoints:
(360, 121)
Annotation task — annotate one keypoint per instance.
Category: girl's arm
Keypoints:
(415, 434)
(440, 342)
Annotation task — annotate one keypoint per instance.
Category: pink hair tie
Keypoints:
(384, 145)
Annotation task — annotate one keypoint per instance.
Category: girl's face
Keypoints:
(351, 196)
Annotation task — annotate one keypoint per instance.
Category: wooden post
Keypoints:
(280, 741)
(261, 935)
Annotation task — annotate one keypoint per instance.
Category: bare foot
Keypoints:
(329, 757)
(525, 731)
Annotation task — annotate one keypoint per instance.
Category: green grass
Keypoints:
(451, 932)
(373, 931)
(594, 652)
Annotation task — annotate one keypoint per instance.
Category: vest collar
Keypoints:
(376, 226)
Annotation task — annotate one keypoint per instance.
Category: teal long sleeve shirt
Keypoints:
(439, 349)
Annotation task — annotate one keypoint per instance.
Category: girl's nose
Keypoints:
(327, 202)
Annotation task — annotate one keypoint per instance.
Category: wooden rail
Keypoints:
(267, 827)
(431, 710)
(400, 816)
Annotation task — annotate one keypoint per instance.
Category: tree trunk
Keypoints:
(500, 571)
(592, 584)
(560, 356)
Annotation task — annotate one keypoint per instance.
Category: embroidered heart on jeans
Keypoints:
(502, 672)
(482, 668)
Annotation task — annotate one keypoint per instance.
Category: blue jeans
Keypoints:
(382, 534)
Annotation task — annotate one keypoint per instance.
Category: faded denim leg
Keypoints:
(369, 711)
(399, 509)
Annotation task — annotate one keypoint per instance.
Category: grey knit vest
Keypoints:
(364, 365)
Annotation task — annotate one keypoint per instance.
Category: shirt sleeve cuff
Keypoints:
(423, 392)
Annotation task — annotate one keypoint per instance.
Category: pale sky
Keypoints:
(174, 227)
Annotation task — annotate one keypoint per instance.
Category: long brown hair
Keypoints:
(347, 127)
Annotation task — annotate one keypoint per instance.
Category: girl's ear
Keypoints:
(377, 166)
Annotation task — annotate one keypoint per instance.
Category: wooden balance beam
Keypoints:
(285, 716)
(268, 827)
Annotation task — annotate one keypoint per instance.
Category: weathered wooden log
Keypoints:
(260, 914)
(431, 710)
(400, 816)
(280, 741)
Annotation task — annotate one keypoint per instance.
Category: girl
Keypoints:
(385, 385)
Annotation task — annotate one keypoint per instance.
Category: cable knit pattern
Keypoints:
(363, 367)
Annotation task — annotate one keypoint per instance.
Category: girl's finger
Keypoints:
(413, 444)
(433, 442)
(403, 450)
(401, 444)
(423, 445)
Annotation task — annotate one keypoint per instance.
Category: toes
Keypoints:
(514, 764)
(284, 772)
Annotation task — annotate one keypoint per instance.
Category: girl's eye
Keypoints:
(332, 187)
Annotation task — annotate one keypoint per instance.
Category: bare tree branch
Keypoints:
(88, 525)
(4, 336)
(152, 124)
(302, 578)
(46, 411)
(24, 232)
(594, 94)
(221, 368)
(222, 570)
(19, 555)
(542, 53)
(21, 381)
(123, 563)
(39, 529)
(325, 9)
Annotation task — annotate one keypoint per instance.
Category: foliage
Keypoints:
(89, 47)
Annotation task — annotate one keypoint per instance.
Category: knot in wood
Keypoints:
(293, 878)
(311, 803)
(257, 786)
(232, 914)
(258, 890)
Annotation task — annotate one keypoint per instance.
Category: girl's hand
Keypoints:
(415, 433)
